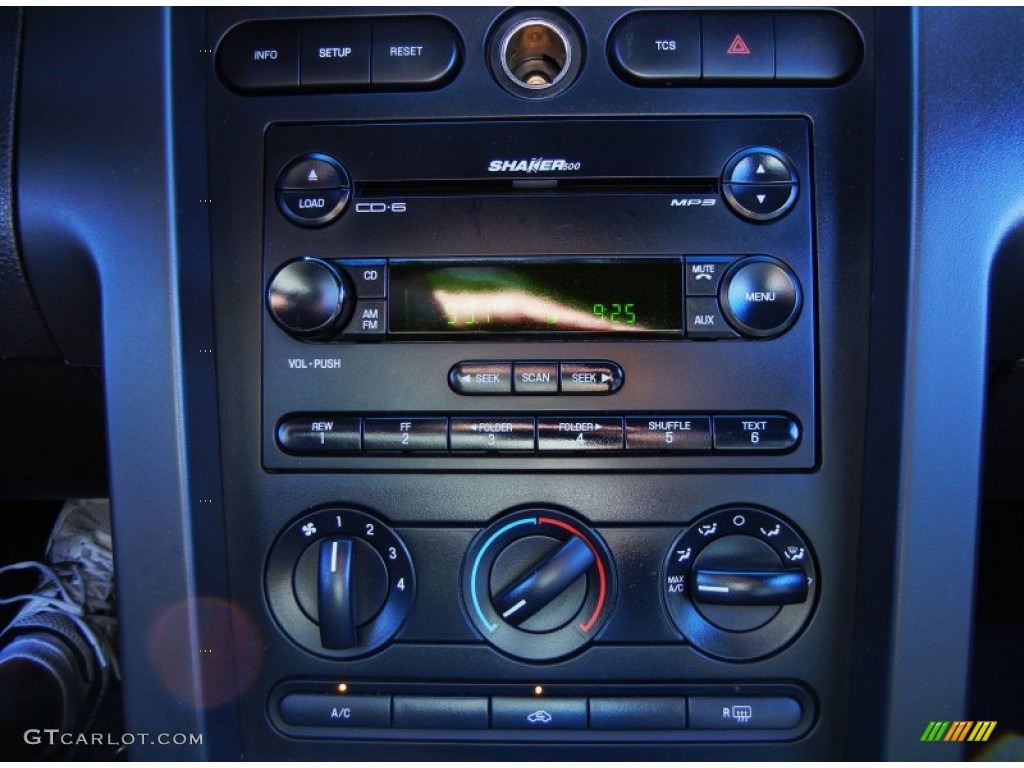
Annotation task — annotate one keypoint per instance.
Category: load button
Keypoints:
(590, 377)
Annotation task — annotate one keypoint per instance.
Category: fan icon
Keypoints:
(308, 529)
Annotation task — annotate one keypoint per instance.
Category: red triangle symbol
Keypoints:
(738, 47)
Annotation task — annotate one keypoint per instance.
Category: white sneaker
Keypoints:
(75, 595)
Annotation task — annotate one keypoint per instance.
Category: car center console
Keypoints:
(539, 344)
(579, 383)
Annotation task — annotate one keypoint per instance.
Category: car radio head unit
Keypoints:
(666, 265)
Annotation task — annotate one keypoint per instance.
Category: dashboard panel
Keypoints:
(541, 383)
(601, 535)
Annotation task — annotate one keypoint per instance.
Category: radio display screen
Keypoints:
(563, 296)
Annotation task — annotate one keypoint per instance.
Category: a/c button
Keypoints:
(336, 711)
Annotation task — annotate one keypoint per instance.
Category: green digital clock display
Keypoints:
(556, 296)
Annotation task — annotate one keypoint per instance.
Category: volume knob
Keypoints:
(307, 297)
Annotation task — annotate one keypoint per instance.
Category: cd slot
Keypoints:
(538, 186)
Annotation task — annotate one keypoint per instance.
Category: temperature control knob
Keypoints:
(340, 582)
(739, 583)
(537, 584)
(308, 298)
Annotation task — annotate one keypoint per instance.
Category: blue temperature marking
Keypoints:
(476, 567)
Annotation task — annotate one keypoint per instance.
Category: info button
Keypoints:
(481, 378)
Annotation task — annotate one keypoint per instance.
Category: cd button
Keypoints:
(368, 277)
(318, 433)
(703, 274)
(579, 433)
(481, 378)
(590, 378)
(406, 435)
(495, 433)
(704, 320)
(535, 378)
(335, 54)
(668, 433)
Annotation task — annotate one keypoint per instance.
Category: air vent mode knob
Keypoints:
(739, 583)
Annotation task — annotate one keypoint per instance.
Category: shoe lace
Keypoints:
(64, 589)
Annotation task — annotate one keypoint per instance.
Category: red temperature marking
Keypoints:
(600, 569)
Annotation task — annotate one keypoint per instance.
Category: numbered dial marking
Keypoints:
(340, 582)
(537, 584)
(739, 583)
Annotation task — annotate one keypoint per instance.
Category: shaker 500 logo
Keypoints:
(534, 165)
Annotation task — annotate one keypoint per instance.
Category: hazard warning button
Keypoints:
(738, 47)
